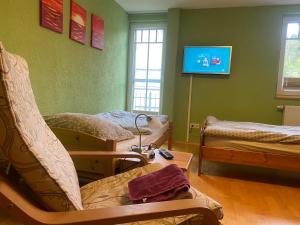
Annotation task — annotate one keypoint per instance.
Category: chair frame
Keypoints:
(17, 205)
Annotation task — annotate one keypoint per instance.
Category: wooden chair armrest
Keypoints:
(134, 213)
(19, 207)
(105, 154)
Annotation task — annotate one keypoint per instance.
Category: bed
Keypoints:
(251, 144)
(78, 136)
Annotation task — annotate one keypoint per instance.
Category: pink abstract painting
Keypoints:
(97, 32)
(78, 23)
(51, 14)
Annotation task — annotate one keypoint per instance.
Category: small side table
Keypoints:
(181, 159)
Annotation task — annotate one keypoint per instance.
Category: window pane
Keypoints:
(292, 59)
(141, 56)
(292, 30)
(152, 35)
(154, 74)
(147, 69)
(140, 85)
(141, 74)
(139, 99)
(145, 35)
(160, 35)
(291, 83)
(138, 37)
(153, 86)
(153, 101)
(155, 56)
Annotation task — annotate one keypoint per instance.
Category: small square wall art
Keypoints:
(78, 23)
(51, 14)
(97, 40)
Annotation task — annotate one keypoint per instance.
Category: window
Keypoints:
(146, 68)
(289, 71)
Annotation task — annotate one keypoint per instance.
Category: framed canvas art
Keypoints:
(78, 23)
(97, 40)
(51, 14)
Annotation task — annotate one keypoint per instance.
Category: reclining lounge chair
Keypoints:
(54, 195)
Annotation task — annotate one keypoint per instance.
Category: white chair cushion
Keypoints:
(28, 142)
(113, 191)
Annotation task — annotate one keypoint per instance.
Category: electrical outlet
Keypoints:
(194, 125)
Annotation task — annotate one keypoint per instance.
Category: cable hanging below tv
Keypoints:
(207, 60)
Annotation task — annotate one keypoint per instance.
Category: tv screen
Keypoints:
(207, 60)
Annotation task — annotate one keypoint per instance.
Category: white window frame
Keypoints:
(131, 63)
(281, 92)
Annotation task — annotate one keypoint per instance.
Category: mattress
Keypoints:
(124, 146)
(256, 132)
(236, 144)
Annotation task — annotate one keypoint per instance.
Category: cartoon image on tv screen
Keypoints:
(206, 61)
(215, 61)
(209, 60)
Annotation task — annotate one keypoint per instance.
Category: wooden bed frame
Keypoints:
(80, 141)
(284, 161)
(73, 139)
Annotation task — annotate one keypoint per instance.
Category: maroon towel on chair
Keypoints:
(158, 186)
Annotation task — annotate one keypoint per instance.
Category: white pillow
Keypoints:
(89, 124)
(155, 123)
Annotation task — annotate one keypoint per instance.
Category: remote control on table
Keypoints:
(166, 154)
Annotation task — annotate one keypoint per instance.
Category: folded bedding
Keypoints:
(162, 185)
(118, 125)
(252, 131)
(127, 121)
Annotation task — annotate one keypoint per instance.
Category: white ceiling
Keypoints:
(138, 6)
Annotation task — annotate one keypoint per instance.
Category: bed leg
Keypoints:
(200, 153)
(170, 137)
(200, 161)
(111, 145)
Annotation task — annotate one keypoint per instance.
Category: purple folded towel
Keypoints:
(161, 185)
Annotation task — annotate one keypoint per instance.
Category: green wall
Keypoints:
(171, 61)
(248, 94)
(148, 17)
(65, 75)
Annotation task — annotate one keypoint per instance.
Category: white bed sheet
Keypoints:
(227, 143)
(256, 132)
(124, 146)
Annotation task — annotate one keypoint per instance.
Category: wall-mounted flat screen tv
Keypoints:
(207, 60)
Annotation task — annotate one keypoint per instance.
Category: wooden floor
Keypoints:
(250, 196)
